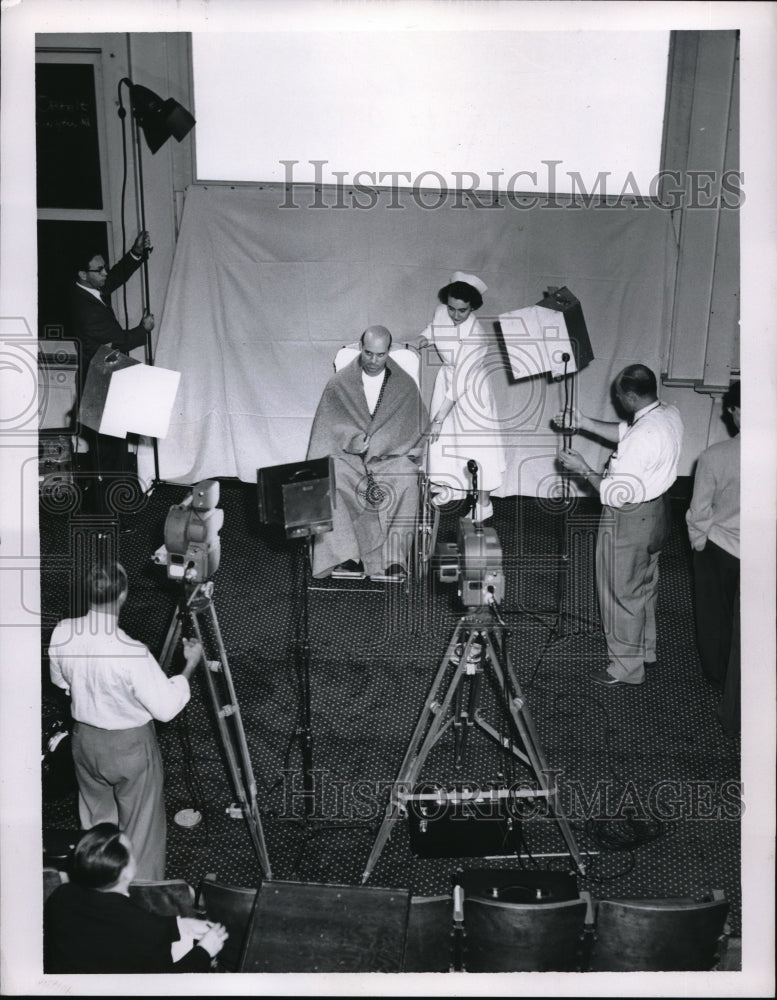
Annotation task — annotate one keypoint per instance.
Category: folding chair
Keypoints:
(659, 935)
(434, 937)
(517, 937)
(232, 906)
(167, 897)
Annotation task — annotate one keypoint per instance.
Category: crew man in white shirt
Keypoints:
(635, 518)
(117, 690)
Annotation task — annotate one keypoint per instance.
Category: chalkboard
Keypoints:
(68, 152)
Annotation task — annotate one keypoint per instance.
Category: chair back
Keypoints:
(52, 878)
(167, 897)
(429, 944)
(513, 937)
(232, 906)
(406, 357)
(658, 935)
(309, 927)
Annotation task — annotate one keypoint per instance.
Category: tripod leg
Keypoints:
(230, 736)
(433, 715)
(171, 641)
(524, 725)
(458, 725)
(465, 716)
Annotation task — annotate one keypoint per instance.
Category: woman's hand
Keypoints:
(207, 934)
(214, 939)
(433, 430)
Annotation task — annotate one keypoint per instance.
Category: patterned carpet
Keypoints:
(646, 776)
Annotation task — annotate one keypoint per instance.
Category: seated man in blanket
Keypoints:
(371, 421)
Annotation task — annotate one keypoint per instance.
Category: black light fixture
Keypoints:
(158, 119)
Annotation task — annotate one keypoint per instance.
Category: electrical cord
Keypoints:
(124, 160)
(625, 834)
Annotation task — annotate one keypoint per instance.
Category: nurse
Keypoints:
(465, 424)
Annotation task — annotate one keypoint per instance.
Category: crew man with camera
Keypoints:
(635, 518)
(117, 690)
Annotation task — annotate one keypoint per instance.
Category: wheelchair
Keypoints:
(428, 519)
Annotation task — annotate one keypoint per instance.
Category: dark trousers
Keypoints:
(107, 471)
(716, 581)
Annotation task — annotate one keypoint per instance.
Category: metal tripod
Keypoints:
(197, 604)
(476, 643)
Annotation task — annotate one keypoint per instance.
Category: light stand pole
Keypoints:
(159, 120)
(303, 669)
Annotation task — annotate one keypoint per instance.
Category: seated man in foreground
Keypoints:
(371, 421)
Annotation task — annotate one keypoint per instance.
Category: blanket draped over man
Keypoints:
(378, 534)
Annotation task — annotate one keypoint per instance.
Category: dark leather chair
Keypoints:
(232, 906)
(659, 935)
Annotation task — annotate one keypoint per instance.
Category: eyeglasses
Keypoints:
(97, 270)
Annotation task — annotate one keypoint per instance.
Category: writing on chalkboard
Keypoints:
(67, 140)
(55, 113)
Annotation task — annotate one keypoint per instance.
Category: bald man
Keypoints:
(635, 520)
(370, 420)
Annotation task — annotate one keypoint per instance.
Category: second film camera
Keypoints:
(192, 548)
(475, 561)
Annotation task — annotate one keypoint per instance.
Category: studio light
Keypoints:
(159, 120)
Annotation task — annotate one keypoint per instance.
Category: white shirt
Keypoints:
(372, 386)
(92, 291)
(644, 465)
(113, 681)
(714, 510)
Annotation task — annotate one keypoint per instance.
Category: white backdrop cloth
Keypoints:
(261, 297)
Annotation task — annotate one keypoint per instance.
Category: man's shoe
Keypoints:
(649, 664)
(349, 568)
(605, 678)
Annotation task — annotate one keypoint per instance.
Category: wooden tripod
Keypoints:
(197, 607)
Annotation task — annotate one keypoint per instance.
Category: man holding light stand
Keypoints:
(95, 325)
(635, 522)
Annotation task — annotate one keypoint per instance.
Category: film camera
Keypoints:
(475, 561)
(192, 548)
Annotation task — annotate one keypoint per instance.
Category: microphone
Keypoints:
(472, 469)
